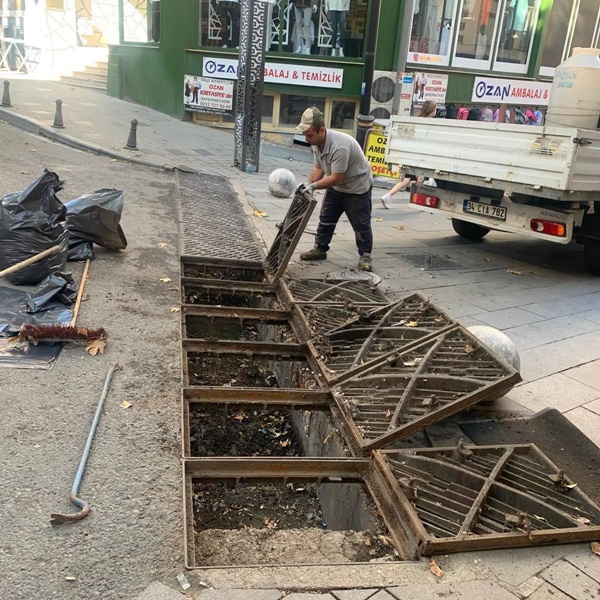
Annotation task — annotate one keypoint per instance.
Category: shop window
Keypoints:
(516, 35)
(432, 31)
(476, 33)
(570, 25)
(136, 16)
(292, 106)
(343, 114)
(313, 27)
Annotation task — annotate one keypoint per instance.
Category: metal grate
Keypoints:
(479, 497)
(213, 224)
(289, 234)
(420, 385)
(315, 290)
(373, 333)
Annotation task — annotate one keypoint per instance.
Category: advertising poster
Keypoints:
(207, 95)
(430, 86)
(375, 153)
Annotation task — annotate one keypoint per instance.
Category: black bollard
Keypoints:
(58, 118)
(132, 140)
(6, 94)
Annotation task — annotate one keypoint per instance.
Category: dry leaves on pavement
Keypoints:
(96, 346)
(596, 548)
(259, 213)
(433, 567)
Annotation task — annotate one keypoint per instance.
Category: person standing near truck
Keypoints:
(340, 167)
(428, 111)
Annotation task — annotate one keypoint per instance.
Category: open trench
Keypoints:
(304, 404)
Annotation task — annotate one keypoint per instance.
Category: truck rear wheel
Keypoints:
(469, 231)
(591, 256)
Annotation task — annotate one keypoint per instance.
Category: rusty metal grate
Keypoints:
(372, 333)
(212, 222)
(481, 497)
(289, 234)
(315, 290)
(396, 395)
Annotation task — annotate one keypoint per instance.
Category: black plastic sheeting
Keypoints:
(32, 221)
(60, 287)
(95, 217)
(13, 314)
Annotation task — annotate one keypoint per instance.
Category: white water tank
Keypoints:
(575, 96)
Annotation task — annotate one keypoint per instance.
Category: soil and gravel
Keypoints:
(218, 431)
(133, 535)
(274, 524)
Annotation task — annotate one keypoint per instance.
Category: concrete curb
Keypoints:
(37, 128)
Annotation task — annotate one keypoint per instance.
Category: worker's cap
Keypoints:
(309, 116)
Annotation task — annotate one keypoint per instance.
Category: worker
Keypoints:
(340, 167)
(428, 111)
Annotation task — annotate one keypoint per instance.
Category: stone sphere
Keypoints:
(499, 342)
(282, 183)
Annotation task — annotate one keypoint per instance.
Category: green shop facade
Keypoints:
(488, 52)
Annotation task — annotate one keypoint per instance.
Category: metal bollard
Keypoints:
(132, 140)
(58, 118)
(6, 94)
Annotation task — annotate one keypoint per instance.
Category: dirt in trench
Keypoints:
(274, 524)
(223, 273)
(215, 370)
(215, 297)
(237, 329)
(218, 431)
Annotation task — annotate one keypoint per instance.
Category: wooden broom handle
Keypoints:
(29, 261)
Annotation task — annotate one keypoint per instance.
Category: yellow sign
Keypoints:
(375, 153)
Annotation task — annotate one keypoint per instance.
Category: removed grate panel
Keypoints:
(289, 234)
(315, 290)
(484, 497)
(212, 222)
(420, 385)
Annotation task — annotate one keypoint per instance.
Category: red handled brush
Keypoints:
(58, 333)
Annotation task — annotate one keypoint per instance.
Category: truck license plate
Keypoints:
(487, 210)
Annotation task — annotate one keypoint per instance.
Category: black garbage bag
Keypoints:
(58, 287)
(32, 221)
(95, 217)
(79, 250)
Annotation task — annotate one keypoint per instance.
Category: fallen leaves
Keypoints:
(377, 220)
(469, 349)
(70, 578)
(125, 404)
(259, 213)
(175, 309)
(162, 244)
(165, 279)
(96, 346)
(596, 548)
(513, 272)
(433, 567)
(411, 324)
(400, 227)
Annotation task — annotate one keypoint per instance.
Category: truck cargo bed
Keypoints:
(552, 162)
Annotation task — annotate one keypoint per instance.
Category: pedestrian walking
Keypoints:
(340, 167)
(428, 111)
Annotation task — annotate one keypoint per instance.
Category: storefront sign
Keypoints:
(406, 91)
(226, 68)
(375, 153)
(430, 86)
(207, 95)
(511, 91)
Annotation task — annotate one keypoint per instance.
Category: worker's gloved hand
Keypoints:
(310, 187)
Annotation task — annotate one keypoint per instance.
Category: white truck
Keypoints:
(543, 182)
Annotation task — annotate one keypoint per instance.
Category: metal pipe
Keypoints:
(58, 518)
(409, 9)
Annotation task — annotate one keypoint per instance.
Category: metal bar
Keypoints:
(264, 396)
(476, 507)
(197, 261)
(237, 347)
(227, 284)
(260, 314)
(58, 518)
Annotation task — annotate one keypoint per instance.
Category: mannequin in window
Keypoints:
(228, 12)
(303, 11)
(336, 11)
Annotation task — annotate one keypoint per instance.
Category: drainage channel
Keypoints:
(296, 391)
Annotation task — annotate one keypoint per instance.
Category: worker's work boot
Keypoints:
(315, 254)
(365, 263)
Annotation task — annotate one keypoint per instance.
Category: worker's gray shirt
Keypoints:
(343, 154)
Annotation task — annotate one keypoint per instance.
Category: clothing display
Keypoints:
(304, 34)
(228, 12)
